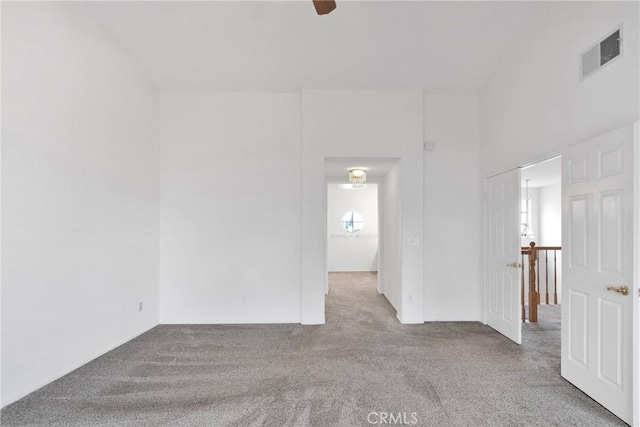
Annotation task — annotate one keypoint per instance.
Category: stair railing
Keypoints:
(532, 263)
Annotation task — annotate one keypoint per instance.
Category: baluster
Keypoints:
(546, 276)
(538, 278)
(533, 295)
(555, 279)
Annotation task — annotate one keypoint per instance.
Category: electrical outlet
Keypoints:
(140, 307)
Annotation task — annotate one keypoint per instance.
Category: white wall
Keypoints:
(80, 195)
(361, 124)
(451, 197)
(534, 104)
(550, 216)
(229, 208)
(390, 274)
(551, 235)
(352, 251)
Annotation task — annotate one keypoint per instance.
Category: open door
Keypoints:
(597, 238)
(502, 289)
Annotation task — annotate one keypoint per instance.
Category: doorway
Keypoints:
(598, 211)
(541, 231)
(352, 241)
(352, 228)
(523, 209)
(363, 225)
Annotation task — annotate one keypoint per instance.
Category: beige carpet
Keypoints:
(361, 366)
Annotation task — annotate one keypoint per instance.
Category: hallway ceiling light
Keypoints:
(525, 213)
(357, 177)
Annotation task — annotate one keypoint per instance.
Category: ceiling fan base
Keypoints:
(324, 7)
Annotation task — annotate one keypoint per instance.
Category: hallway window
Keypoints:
(525, 218)
(352, 222)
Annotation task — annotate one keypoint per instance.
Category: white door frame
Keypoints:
(636, 285)
(380, 181)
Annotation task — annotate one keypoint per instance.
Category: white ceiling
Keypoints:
(441, 47)
(543, 174)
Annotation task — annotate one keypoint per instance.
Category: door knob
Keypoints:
(513, 264)
(624, 290)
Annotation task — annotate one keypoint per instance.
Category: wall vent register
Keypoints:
(601, 53)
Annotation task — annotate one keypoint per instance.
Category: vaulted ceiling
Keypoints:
(441, 47)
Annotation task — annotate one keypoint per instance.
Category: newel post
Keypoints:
(533, 295)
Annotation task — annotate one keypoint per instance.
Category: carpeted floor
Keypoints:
(352, 371)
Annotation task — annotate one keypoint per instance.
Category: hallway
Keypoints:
(361, 364)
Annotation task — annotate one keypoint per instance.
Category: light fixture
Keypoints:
(526, 213)
(357, 177)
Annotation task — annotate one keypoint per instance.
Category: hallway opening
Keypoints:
(363, 223)
(354, 298)
(541, 232)
(352, 228)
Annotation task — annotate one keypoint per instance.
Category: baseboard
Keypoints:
(352, 271)
(235, 323)
(455, 319)
(79, 365)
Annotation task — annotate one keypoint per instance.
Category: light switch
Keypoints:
(414, 241)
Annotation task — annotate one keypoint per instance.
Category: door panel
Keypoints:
(610, 342)
(610, 241)
(579, 231)
(577, 334)
(502, 298)
(597, 224)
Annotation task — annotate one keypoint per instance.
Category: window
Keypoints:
(352, 221)
(525, 218)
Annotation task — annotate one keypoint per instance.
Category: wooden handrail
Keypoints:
(525, 249)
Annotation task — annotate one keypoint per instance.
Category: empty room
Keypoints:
(319, 213)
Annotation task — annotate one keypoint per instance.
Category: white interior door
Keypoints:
(502, 282)
(597, 241)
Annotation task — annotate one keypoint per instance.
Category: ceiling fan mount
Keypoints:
(324, 7)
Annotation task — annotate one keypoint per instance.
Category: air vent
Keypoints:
(601, 53)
